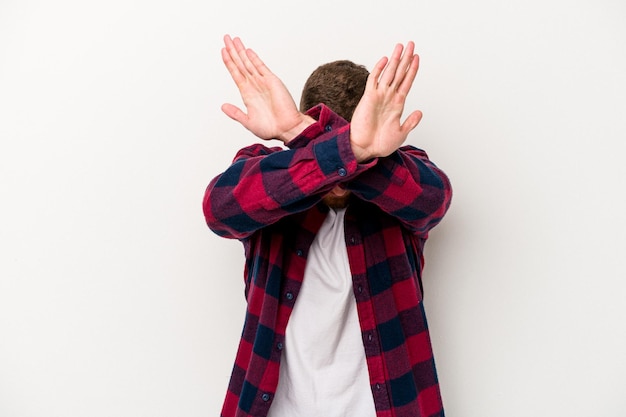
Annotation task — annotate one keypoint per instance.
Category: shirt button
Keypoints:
(377, 387)
(369, 337)
(289, 296)
(360, 289)
(328, 128)
(352, 240)
(279, 346)
(265, 397)
(299, 252)
(342, 172)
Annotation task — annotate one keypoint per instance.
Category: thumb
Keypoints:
(235, 113)
(411, 121)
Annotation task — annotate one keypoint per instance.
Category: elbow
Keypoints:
(445, 195)
(215, 214)
(210, 217)
(225, 217)
(431, 206)
(439, 203)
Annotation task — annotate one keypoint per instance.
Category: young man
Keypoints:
(333, 228)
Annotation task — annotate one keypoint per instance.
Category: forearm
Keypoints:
(408, 186)
(265, 184)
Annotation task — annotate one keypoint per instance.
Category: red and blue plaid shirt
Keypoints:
(270, 199)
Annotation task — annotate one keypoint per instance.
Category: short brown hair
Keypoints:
(338, 84)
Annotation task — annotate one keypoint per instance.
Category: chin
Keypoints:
(335, 201)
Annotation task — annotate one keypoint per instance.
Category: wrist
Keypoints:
(305, 121)
(360, 154)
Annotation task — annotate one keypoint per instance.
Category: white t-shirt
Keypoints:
(323, 369)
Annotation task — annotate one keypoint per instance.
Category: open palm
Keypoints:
(376, 128)
(271, 110)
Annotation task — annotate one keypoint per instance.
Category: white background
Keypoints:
(116, 300)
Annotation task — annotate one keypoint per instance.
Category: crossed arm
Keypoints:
(265, 184)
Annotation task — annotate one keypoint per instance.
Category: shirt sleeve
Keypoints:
(408, 186)
(265, 184)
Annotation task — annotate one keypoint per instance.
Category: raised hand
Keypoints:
(271, 110)
(376, 128)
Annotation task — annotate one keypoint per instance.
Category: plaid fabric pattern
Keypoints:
(270, 199)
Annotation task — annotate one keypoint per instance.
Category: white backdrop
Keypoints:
(116, 300)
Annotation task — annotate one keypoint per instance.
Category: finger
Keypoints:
(260, 66)
(232, 67)
(390, 70)
(231, 52)
(411, 122)
(404, 65)
(407, 82)
(372, 79)
(231, 49)
(243, 56)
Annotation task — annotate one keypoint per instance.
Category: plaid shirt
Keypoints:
(270, 199)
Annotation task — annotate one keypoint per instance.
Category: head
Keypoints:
(338, 84)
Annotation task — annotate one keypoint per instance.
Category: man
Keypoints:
(333, 229)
